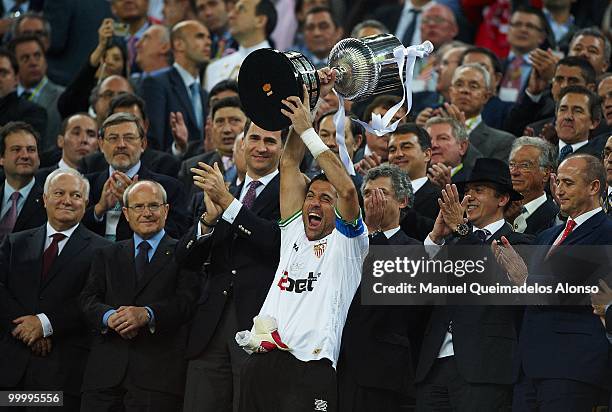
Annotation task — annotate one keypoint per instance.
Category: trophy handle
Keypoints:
(340, 72)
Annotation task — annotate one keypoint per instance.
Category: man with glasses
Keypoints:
(527, 32)
(139, 300)
(531, 162)
(122, 140)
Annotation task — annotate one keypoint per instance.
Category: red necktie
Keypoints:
(571, 224)
(51, 253)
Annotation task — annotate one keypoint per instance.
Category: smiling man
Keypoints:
(43, 339)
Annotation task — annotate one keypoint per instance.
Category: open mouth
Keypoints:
(314, 220)
(471, 208)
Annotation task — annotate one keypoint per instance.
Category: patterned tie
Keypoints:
(10, 217)
(249, 198)
(565, 151)
(482, 235)
(512, 79)
(51, 253)
(142, 259)
(569, 227)
(409, 33)
(196, 103)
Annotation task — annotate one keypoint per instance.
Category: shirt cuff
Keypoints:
(431, 247)
(609, 336)
(151, 323)
(199, 234)
(176, 151)
(232, 211)
(534, 97)
(96, 218)
(107, 315)
(46, 325)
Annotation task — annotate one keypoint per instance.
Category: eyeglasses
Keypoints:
(434, 20)
(129, 139)
(529, 26)
(524, 166)
(153, 207)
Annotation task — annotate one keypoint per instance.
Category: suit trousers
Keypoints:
(558, 395)
(213, 379)
(71, 402)
(445, 389)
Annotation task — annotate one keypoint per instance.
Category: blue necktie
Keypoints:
(565, 151)
(196, 103)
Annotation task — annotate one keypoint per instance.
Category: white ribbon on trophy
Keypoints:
(381, 125)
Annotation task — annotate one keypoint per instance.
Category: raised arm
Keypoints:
(299, 113)
(292, 181)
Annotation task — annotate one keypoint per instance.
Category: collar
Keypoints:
(263, 180)
(67, 232)
(575, 146)
(455, 169)
(473, 123)
(409, 6)
(570, 21)
(418, 183)
(245, 51)
(63, 165)
(24, 191)
(130, 173)
(535, 204)
(609, 190)
(33, 90)
(526, 60)
(391, 232)
(493, 227)
(187, 78)
(141, 30)
(585, 216)
(153, 240)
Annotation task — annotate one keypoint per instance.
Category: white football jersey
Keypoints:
(314, 285)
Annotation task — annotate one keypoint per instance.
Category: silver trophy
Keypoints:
(364, 67)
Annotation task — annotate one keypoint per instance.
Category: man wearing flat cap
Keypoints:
(466, 359)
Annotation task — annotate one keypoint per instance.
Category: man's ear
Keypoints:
(60, 141)
(463, 147)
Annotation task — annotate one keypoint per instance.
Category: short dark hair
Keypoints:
(31, 15)
(549, 36)
(266, 8)
(587, 70)
(26, 39)
(497, 66)
(16, 127)
(64, 125)
(120, 118)
(6, 53)
(356, 128)
(231, 101)
(128, 100)
(249, 123)
(594, 100)
(595, 32)
(321, 176)
(412, 128)
(323, 9)
(222, 86)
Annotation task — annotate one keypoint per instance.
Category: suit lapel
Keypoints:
(33, 204)
(268, 195)
(75, 244)
(163, 255)
(33, 253)
(183, 95)
(581, 233)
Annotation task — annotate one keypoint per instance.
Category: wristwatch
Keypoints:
(204, 222)
(462, 230)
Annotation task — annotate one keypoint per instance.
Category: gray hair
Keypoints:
(402, 186)
(479, 68)
(375, 24)
(459, 131)
(119, 118)
(72, 172)
(130, 188)
(548, 155)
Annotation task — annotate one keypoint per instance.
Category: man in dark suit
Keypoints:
(122, 141)
(531, 161)
(12, 107)
(21, 205)
(469, 92)
(410, 150)
(228, 120)
(44, 341)
(379, 344)
(573, 378)
(179, 89)
(578, 112)
(138, 301)
(238, 240)
(466, 358)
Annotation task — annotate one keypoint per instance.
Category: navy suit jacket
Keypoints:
(33, 213)
(577, 336)
(165, 93)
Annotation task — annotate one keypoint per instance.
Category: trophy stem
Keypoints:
(340, 72)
